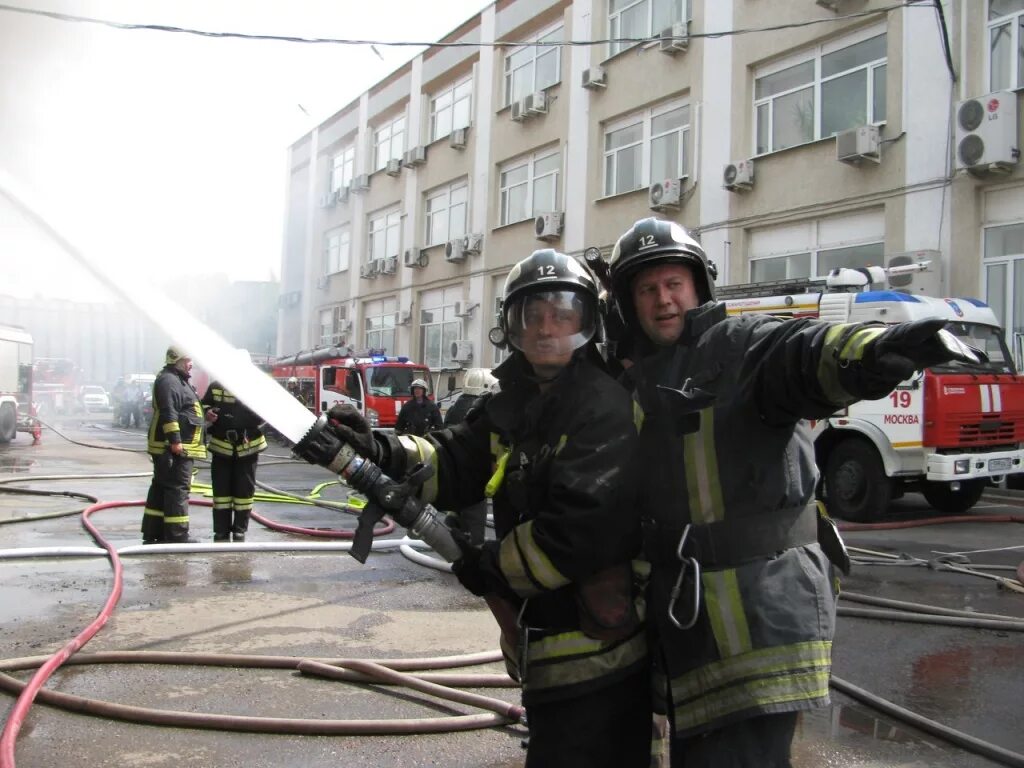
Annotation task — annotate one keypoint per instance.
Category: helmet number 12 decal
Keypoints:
(647, 241)
(547, 270)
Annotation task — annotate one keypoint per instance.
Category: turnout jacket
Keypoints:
(559, 467)
(177, 415)
(417, 418)
(725, 451)
(237, 430)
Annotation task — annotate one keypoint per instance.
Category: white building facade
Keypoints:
(844, 142)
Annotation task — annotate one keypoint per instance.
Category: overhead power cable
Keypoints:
(459, 44)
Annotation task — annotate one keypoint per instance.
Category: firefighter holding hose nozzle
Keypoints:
(553, 450)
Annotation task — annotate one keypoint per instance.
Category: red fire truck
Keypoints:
(376, 384)
(947, 433)
(56, 381)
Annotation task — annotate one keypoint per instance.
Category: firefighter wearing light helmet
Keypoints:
(741, 597)
(553, 449)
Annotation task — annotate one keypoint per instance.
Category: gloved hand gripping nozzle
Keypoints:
(321, 445)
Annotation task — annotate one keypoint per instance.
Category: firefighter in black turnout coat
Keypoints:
(553, 449)
(236, 440)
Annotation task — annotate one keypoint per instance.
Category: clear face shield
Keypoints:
(550, 323)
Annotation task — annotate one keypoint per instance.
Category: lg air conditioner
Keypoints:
(394, 167)
(474, 244)
(915, 272)
(536, 103)
(858, 144)
(415, 156)
(665, 195)
(738, 177)
(675, 39)
(455, 250)
(986, 133)
(414, 258)
(548, 226)
(457, 138)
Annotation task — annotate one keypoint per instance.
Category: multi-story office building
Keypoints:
(408, 206)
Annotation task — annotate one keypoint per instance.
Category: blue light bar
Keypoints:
(379, 359)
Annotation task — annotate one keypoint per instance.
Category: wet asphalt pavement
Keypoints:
(326, 605)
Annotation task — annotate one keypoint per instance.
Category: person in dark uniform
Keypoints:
(175, 441)
(554, 448)
(420, 414)
(236, 440)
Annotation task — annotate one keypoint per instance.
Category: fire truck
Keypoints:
(376, 384)
(56, 381)
(16, 408)
(947, 432)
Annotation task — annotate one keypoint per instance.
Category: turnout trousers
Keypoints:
(609, 728)
(234, 486)
(757, 742)
(166, 514)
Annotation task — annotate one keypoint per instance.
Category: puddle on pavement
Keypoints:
(11, 464)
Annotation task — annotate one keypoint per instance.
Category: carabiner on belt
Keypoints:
(524, 642)
(687, 564)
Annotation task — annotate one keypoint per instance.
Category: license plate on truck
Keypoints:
(999, 465)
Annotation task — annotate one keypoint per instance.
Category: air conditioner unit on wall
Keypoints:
(368, 269)
(675, 38)
(394, 167)
(548, 226)
(457, 138)
(462, 350)
(665, 195)
(926, 280)
(455, 250)
(389, 265)
(832, 5)
(737, 177)
(595, 78)
(518, 111)
(323, 281)
(474, 244)
(536, 103)
(986, 133)
(328, 200)
(858, 144)
(343, 194)
(414, 258)
(415, 156)
(361, 183)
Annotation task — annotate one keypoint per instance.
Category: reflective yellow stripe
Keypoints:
(525, 565)
(725, 611)
(183, 519)
(858, 343)
(638, 416)
(498, 477)
(571, 658)
(736, 670)
(243, 505)
(419, 450)
(702, 482)
(152, 512)
(171, 426)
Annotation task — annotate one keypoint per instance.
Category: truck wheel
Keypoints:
(8, 423)
(855, 482)
(950, 502)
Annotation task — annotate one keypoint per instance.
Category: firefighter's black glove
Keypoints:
(899, 351)
(350, 426)
(477, 570)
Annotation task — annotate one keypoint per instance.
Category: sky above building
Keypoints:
(164, 153)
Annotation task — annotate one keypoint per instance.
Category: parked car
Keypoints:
(94, 398)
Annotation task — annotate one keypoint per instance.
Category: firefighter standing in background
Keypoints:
(420, 414)
(175, 440)
(553, 450)
(236, 439)
(741, 597)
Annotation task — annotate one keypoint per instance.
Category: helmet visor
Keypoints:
(550, 323)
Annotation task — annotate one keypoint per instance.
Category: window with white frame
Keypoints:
(817, 94)
(342, 168)
(1005, 44)
(529, 186)
(337, 248)
(446, 213)
(334, 325)
(450, 109)
(647, 146)
(380, 324)
(814, 248)
(389, 142)
(384, 236)
(532, 68)
(636, 19)
(1004, 278)
(439, 326)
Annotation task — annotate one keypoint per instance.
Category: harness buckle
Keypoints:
(688, 565)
